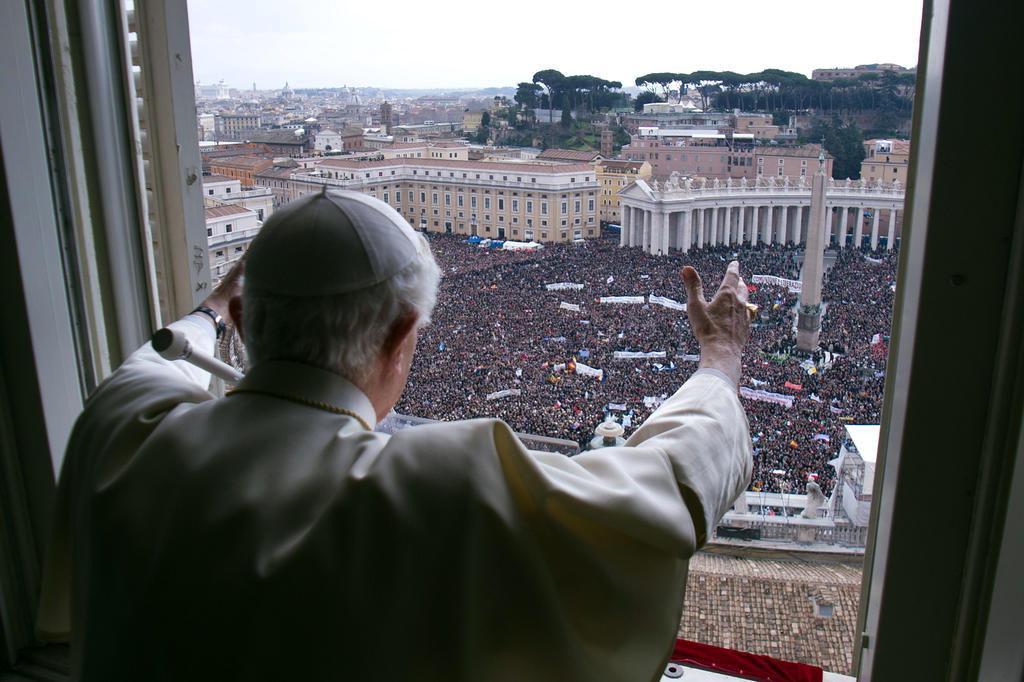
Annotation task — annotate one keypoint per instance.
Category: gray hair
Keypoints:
(341, 333)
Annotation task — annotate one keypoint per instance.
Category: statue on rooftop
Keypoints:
(654, 185)
(815, 501)
(801, 182)
(715, 184)
(743, 182)
(785, 182)
(897, 185)
(771, 182)
(673, 180)
(728, 183)
(831, 183)
(688, 184)
(847, 184)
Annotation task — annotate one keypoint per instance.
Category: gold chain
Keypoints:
(308, 402)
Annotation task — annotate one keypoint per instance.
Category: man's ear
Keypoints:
(235, 312)
(395, 342)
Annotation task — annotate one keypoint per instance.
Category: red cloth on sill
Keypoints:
(741, 664)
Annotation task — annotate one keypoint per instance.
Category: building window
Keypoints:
(565, 207)
(515, 205)
(576, 206)
(590, 205)
(487, 203)
(210, 192)
(447, 199)
(227, 228)
(460, 201)
(529, 206)
(472, 202)
(501, 204)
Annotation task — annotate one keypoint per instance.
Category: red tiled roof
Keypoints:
(503, 166)
(567, 155)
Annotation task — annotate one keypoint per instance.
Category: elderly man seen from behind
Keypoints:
(274, 535)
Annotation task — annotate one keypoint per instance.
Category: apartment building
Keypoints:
(711, 154)
(229, 191)
(232, 127)
(886, 160)
(501, 200)
(615, 175)
(241, 168)
(458, 151)
(792, 162)
(229, 231)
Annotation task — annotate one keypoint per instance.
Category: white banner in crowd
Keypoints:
(504, 394)
(569, 306)
(588, 371)
(636, 355)
(558, 286)
(619, 407)
(793, 285)
(667, 302)
(687, 357)
(767, 397)
(622, 299)
(876, 261)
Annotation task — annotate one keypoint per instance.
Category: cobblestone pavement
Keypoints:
(767, 606)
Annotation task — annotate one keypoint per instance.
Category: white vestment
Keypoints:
(257, 538)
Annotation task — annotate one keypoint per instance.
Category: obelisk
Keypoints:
(808, 324)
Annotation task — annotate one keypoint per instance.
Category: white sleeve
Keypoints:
(200, 333)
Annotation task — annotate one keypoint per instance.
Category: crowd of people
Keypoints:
(498, 329)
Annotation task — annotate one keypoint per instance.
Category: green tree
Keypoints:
(845, 142)
(553, 81)
(485, 119)
(646, 97)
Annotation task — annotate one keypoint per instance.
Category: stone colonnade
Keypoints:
(661, 226)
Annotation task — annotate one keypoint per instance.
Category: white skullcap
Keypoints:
(329, 243)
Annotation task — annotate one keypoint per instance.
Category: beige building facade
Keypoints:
(886, 160)
(547, 203)
(615, 175)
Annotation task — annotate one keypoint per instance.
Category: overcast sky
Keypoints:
(418, 44)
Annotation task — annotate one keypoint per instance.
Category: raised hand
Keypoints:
(722, 326)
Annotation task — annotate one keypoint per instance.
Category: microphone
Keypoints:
(172, 345)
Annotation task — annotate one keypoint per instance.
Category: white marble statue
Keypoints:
(847, 184)
(703, 183)
(801, 182)
(688, 184)
(785, 182)
(896, 185)
(728, 183)
(831, 183)
(743, 183)
(654, 185)
(673, 180)
(771, 182)
(815, 501)
(715, 184)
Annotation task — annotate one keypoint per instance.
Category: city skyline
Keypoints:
(413, 46)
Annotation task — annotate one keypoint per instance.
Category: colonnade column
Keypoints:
(827, 239)
(753, 226)
(874, 228)
(666, 237)
(891, 240)
(739, 227)
(858, 233)
(842, 226)
(645, 240)
(687, 230)
(699, 226)
(729, 216)
(783, 224)
(797, 232)
(624, 228)
(769, 224)
(714, 226)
